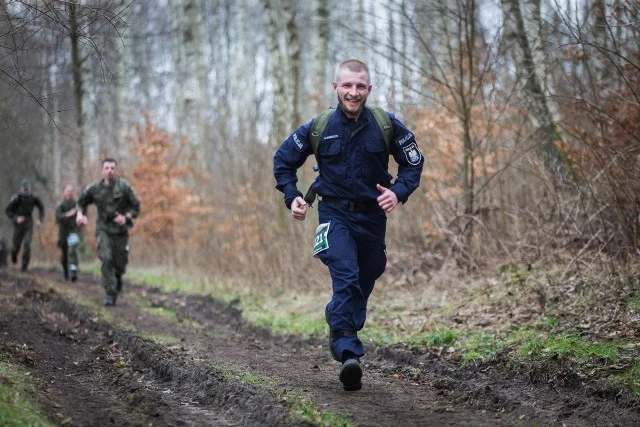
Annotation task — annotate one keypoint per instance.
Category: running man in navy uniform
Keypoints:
(356, 193)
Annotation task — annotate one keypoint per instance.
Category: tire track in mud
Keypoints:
(189, 390)
(90, 373)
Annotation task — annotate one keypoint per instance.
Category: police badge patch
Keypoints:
(412, 154)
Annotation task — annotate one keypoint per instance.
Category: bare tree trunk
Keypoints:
(600, 31)
(361, 28)
(78, 87)
(277, 67)
(404, 53)
(520, 47)
(190, 71)
(294, 55)
(424, 24)
(123, 113)
(466, 90)
(320, 57)
(533, 25)
(54, 133)
(393, 42)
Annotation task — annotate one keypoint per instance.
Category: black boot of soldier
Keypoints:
(110, 300)
(65, 272)
(119, 283)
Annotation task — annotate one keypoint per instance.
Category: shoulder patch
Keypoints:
(412, 154)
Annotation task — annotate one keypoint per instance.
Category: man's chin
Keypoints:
(352, 112)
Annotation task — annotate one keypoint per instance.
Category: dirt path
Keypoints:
(97, 369)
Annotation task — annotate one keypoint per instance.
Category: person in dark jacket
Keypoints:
(68, 232)
(356, 193)
(19, 211)
(117, 205)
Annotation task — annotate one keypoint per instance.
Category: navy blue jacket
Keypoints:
(353, 158)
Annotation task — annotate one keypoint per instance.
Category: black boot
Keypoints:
(119, 283)
(351, 375)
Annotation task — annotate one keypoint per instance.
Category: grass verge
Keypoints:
(17, 403)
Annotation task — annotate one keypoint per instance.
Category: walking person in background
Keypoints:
(68, 232)
(356, 194)
(117, 205)
(19, 211)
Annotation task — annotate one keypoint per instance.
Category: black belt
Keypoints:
(350, 205)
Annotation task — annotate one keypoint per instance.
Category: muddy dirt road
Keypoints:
(126, 365)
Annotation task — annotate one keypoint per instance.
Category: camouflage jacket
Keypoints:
(23, 205)
(117, 197)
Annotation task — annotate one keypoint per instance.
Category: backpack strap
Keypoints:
(317, 128)
(384, 122)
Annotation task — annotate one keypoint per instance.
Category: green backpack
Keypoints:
(320, 124)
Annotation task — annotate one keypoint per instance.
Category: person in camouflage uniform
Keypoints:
(20, 211)
(68, 232)
(117, 205)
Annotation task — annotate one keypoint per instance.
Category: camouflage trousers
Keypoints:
(113, 251)
(22, 235)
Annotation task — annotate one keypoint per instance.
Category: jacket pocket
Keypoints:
(329, 149)
(374, 168)
(332, 165)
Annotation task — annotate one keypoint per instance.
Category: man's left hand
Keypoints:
(387, 200)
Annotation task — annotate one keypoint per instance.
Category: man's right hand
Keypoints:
(299, 208)
(20, 219)
(80, 218)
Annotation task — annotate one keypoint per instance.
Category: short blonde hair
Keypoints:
(354, 65)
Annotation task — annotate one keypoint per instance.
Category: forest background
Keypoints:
(526, 111)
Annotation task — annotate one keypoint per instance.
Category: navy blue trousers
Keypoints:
(356, 257)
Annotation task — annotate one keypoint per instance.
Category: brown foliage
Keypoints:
(163, 178)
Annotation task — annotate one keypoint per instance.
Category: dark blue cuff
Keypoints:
(401, 192)
(290, 196)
